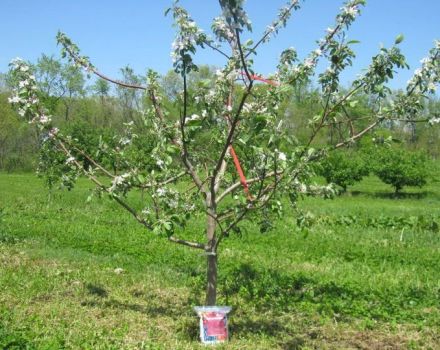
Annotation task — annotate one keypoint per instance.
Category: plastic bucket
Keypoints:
(213, 323)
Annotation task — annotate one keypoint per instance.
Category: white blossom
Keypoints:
(14, 99)
(432, 87)
(193, 117)
(418, 72)
(435, 120)
(318, 52)
(118, 180)
(173, 204)
(161, 192)
(44, 119)
(160, 163)
(350, 11)
(247, 107)
(302, 188)
(124, 141)
(23, 83)
(53, 132)
(309, 63)
(282, 156)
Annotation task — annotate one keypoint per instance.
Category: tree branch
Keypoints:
(358, 135)
(185, 155)
(102, 76)
(238, 184)
(280, 20)
(195, 245)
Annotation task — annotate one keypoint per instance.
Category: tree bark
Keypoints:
(211, 288)
(211, 253)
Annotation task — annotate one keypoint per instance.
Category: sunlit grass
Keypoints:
(87, 276)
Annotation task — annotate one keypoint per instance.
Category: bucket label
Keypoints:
(215, 326)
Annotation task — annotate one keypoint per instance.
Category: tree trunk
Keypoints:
(211, 288)
(211, 255)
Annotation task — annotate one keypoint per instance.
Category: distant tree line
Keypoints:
(94, 112)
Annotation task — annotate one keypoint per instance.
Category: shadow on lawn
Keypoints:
(150, 310)
(267, 289)
(392, 195)
(153, 305)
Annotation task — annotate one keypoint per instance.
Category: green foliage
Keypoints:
(399, 168)
(17, 140)
(343, 168)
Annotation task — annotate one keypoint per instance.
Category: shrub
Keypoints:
(343, 168)
(399, 168)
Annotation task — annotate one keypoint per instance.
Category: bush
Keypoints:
(399, 168)
(343, 168)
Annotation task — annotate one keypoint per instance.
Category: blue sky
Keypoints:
(135, 32)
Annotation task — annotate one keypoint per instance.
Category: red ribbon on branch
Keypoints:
(240, 172)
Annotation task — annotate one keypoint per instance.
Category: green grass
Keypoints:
(365, 274)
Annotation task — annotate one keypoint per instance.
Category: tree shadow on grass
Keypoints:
(151, 304)
(150, 310)
(267, 288)
(392, 195)
(96, 290)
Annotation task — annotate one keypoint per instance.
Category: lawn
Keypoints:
(363, 273)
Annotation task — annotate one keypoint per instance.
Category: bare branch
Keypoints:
(89, 158)
(276, 24)
(185, 155)
(238, 184)
(216, 49)
(99, 74)
(195, 245)
(100, 185)
(359, 134)
(165, 182)
(243, 59)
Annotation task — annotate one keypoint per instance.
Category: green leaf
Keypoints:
(353, 103)
(399, 39)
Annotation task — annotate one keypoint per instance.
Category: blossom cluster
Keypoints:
(71, 51)
(187, 38)
(426, 78)
(344, 19)
(235, 16)
(222, 29)
(25, 97)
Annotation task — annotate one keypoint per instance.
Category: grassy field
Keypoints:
(364, 275)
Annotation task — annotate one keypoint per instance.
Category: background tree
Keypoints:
(399, 168)
(343, 168)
